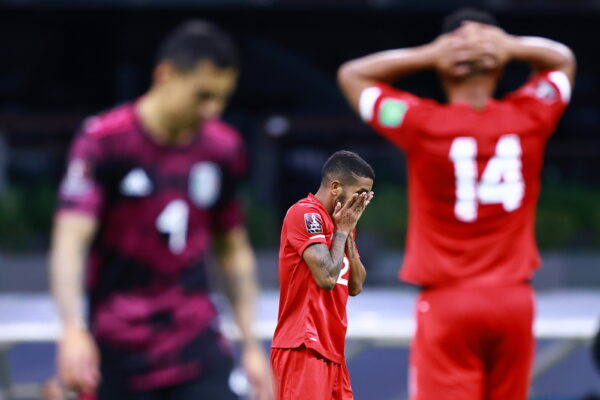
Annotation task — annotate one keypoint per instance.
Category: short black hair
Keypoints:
(454, 20)
(345, 166)
(196, 40)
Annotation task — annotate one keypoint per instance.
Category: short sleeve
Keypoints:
(229, 211)
(80, 189)
(393, 113)
(544, 96)
(304, 227)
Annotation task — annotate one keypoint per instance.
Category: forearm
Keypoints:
(66, 271)
(543, 54)
(385, 66)
(70, 241)
(333, 265)
(357, 270)
(240, 286)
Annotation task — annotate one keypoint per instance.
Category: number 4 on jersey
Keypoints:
(501, 182)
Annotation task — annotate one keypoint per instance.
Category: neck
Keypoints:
(474, 91)
(152, 117)
(325, 198)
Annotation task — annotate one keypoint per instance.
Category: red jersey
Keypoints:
(473, 179)
(308, 314)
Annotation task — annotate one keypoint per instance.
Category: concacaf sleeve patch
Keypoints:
(313, 222)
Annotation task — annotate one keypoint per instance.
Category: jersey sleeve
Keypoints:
(544, 96)
(229, 211)
(395, 114)
(304, 226)
(80, 189)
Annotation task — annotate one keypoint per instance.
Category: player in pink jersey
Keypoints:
(150, 185)
(319, 267)
(473, 182)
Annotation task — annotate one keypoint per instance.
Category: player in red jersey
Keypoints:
(319, 267)
(149, 185)
(473, 182)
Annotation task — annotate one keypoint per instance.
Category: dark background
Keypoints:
(64, 60)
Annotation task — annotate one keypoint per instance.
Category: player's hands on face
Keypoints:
(258, 371)
(347, 215)
(78, 360)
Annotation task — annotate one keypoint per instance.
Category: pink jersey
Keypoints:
(157, 207)
(309, 315)
(473, 179)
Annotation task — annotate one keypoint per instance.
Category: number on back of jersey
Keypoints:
(502, 180)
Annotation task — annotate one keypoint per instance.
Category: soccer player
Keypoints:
(473, 182)
(149, 185)
(319, 266)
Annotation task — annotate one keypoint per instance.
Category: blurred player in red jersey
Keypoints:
(319, 266)
(473, 182)
(149, 185)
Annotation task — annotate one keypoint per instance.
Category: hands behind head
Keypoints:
(472, 48)
(345, 216)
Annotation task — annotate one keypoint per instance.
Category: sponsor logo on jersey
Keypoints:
(313, 222)
(136, 183)
(392, 112)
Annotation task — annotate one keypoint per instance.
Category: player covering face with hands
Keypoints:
(319, 266)
(473, 181)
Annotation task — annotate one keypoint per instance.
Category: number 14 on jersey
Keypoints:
(501, 182)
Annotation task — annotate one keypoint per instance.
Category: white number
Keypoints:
(345, 269)
(501, 182)
(173, 221)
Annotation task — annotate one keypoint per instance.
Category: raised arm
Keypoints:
(544, 54)
(78, 355)
(238, 270)
(384, 67)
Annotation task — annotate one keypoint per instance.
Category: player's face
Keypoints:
(197, 95)
(360, 185)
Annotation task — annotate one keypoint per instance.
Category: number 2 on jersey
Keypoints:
(501, 182)
(345, 268)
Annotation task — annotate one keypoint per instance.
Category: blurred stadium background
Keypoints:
(63, 60)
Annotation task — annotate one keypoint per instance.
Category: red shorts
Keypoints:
(473, 344)
(303, 374)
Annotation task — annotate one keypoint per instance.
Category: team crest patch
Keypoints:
(313, 222)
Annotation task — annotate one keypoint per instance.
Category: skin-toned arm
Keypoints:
(357, 269)
(544, 54)
(325, 263)
(356, 75)
(78, 355)
(387, 66)
(540, 53)
(238, 270)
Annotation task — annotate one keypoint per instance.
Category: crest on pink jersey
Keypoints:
(313, 222)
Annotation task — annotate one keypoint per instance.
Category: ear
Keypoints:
(163, 72)
(336, 187)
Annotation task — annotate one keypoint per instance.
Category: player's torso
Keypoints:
(159, 203)
(309, 314)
